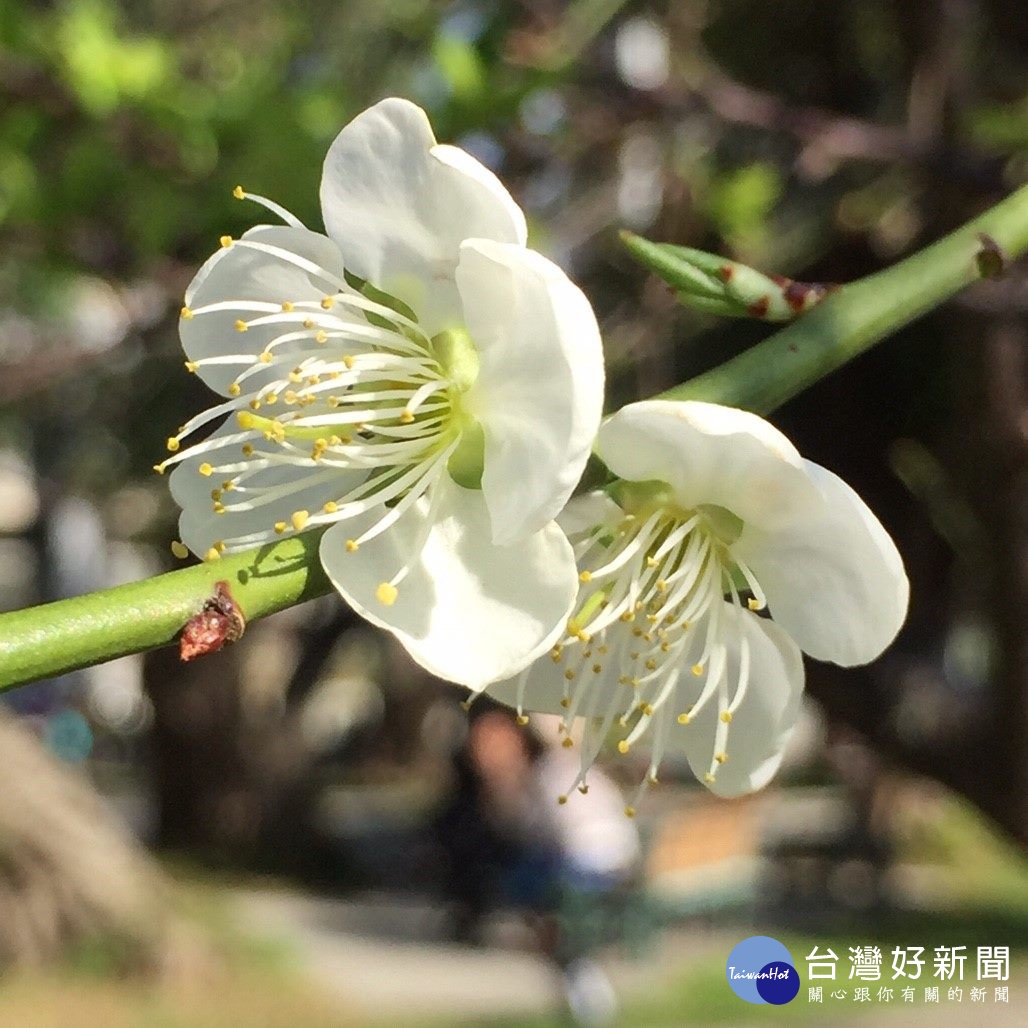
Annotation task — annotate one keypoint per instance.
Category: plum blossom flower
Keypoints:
(416, 381)
(717, 520)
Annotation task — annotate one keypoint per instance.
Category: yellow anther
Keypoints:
(238, 193)
(288, 307)
(565, 702)
(206, 470)
(159, 468)
(585, 576)
(331, 507)
(652, 779)
(406, 417)
(247, 449)
(650, 562)
(709, 778)
(191, 367)
(240, 325)
(665, 647)
(650, 664)
(567, 742)
(309, 323)
(225, 240)
(684, 719)
(569, 675)
(265, 357)
(321, 336)
(212, 554)
(562, 800)
(185, 314)
(245, 420)
(597, 668)
(179, 550)
(295, 376)
(646, 709)
(328, 302)
(726, 716)
(271, 399)
(348, 361)
(583, 636)
(584, 789)
(623, 746)
(628, 616)
(661, 585)
(522, 720)
(300, 519)
(629, 811)
(386, 594)
(754, 604)
(235, 389)
(697, 670)
(219, 507)
(720, 757)
(172, 443)
(352, 545)
(280, 527)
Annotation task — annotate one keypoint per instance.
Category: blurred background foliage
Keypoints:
(816, 140)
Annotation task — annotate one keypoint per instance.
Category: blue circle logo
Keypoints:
(760, 970)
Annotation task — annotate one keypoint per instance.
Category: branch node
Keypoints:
(219, 621)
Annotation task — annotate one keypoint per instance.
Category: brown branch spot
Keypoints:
(992, 258)
(220, 621)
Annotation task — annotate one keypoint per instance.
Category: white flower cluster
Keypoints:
(427, 389)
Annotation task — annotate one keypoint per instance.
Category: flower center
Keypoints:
(346, 388)
(646, 648)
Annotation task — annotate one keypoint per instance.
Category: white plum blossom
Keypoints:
(416, 381)
(716, 521)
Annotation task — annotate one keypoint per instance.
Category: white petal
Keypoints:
(763, 722)
(710, 454)
(239, 273)
(200, 527)
(834, 579)
(469, 611)
(399, 205)
(591, 510)
(539, 392)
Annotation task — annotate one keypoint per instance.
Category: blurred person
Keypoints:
(567, 867)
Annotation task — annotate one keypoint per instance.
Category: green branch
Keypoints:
(58, 637)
